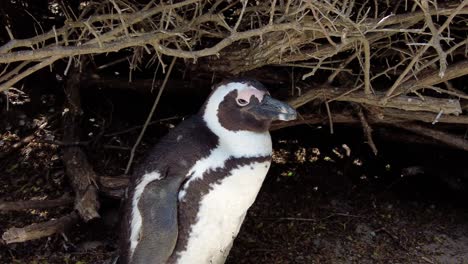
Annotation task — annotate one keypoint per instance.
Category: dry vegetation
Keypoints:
(401, 63)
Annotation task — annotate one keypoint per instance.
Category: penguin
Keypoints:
(188, 198)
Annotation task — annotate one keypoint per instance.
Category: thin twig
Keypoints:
(8, 84)
(330, 119)
(367, 131)
(14, 71)
(244, 5)
(125, 27)
(150, 115)
(272, 12)
(367, 56)
(422, 51)
(138, 127)
(435, 39)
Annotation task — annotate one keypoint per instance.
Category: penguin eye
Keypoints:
(242, 102)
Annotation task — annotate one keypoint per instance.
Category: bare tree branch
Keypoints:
(35, 204)
(40, 230)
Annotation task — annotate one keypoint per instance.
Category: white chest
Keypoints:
(221, 214)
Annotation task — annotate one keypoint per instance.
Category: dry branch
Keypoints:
(39, 230)
(440, 136)
(447, 138)
(315, 119)
(389, 134)
(113, 182)
(113, 186)
(375, 116)
(392, 114)
(141, 40)
(290, 33)
(433, 42)
(35, 204)
(78, 169)
(408, 103)
(367, 131)
(281, 49)
(431, 78)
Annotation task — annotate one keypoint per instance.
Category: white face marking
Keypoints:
(221, 214)
(247, 93)
(135, 225)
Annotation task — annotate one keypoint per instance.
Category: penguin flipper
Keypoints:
(159, 230)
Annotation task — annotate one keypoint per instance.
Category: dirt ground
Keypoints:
(296, 221)
(326, 198)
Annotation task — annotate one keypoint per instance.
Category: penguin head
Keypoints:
(244, 105)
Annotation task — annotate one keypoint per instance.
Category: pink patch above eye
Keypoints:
(246, 94)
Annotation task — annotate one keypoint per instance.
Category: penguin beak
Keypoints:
(272, 109)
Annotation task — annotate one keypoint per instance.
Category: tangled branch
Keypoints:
(404, 44)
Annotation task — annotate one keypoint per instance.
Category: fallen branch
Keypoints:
(408, 103)
(113, 182)
(35, 204)
(113, 186)
(78, 169)
(389, 134)
(40, 230)
(395, 115)
(375, 116)
(449, 139)
(316, 119)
